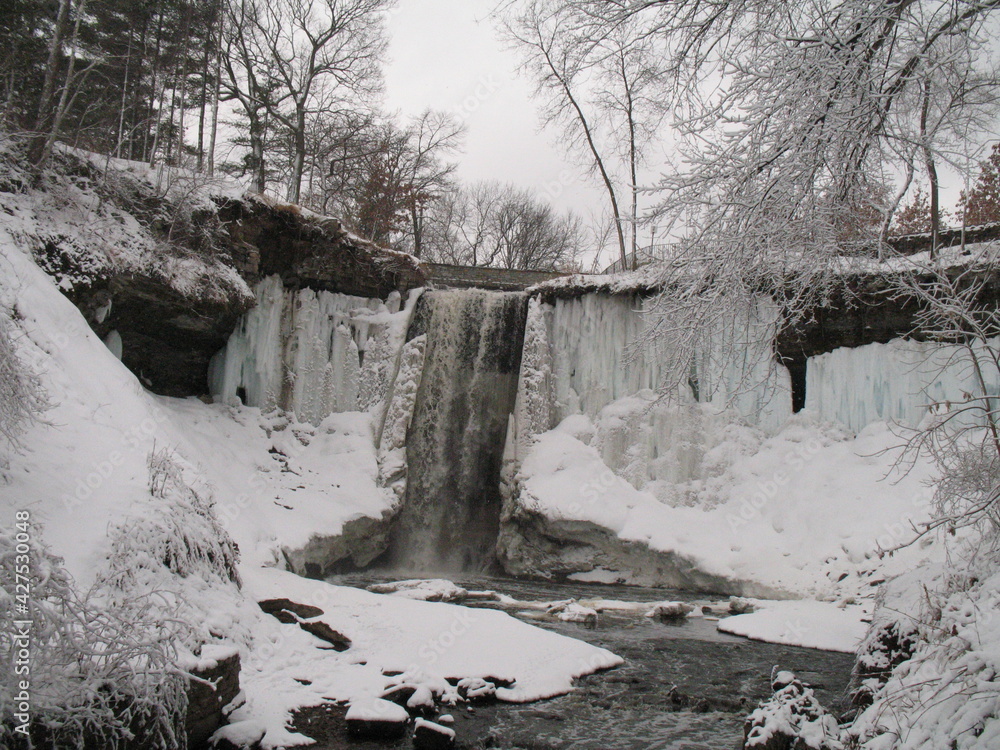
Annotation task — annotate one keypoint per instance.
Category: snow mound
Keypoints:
(811, 624)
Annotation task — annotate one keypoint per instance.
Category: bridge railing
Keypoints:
(643, 256)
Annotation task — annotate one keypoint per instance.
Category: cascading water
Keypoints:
(451, 514)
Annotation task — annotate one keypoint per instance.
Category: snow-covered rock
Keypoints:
(376, 718)
(424, 589)
(670, 611)
(428, 735)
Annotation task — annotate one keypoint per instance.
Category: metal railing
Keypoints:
(643, 256)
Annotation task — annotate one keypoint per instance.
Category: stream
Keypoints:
(683, 687)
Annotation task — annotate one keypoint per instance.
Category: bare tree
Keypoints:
(298, 57)
(498, 225)
(559, 63)
(431, 136)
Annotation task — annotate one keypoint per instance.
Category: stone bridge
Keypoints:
(442, 275)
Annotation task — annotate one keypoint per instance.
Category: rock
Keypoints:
(430, 736)
(220, 666)
(670, 611)
(421, 701)
(243, 735)
(570, 611)
(360, 541)
(321, 630)
(428, 590)
(740, 606)
(303, 615)
(399, 694)
(278, 606)
(375, 718)
(475, 689)
(530, 544)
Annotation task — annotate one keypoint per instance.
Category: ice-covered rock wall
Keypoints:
(899, 382)
(598, 355)
(585, 359)
(302, 351)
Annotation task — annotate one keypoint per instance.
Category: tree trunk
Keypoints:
(299, 157)
(932, 175)
(215, 99)
(43, 120)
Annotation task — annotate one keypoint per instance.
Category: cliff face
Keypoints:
(162, 262)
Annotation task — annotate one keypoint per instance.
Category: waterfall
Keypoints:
(451, 514)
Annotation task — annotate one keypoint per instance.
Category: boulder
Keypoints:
(375, 718)
(670, 611)
(430, 736)
(219, 666)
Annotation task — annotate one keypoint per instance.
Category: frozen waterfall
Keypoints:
(298, 350)
(451, 513)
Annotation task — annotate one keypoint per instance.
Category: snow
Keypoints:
(428, 589)
(945, 694)
(376, 709)
(437, 728)
(77, 216)
(790, 517)
(426, 641)
(812, 624)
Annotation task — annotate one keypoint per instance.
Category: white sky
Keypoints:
(447, 55)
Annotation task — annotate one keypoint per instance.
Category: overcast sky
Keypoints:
(446, 54)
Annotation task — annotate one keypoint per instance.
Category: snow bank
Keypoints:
(812, 624)
(418, 642)
(945, 694)
(803, 513)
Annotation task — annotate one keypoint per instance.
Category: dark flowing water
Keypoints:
(682, 687)
(455, 443)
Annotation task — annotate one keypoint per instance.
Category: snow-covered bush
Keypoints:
(945, 694)
(792, 718)
(174, 533)
(98, 674)
(107, 665)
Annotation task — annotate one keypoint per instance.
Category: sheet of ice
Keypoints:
(897, 381)
(299, 350)
(812, 624)
(596, 359)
